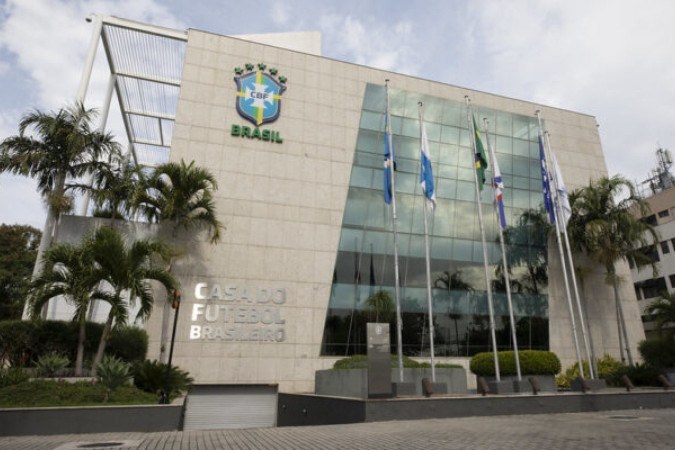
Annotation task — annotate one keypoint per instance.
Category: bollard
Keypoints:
(483, 387)
(626, 382)
(664, 382)
(535, 385)
(427, 388)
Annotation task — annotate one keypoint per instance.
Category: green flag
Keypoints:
(481, 160)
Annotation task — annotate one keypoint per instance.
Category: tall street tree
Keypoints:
(52, 147)
(604, 227)
(179, 195)
(126, 271)
(18, 248)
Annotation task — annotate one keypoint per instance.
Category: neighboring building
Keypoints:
(308, 237)
(648, 288)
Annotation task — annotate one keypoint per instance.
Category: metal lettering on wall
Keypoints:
(236, 313)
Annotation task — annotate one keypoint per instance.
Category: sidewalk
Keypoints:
(611, 430)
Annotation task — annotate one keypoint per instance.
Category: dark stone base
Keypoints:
(404, 388)
(593, 385)
(500, 387)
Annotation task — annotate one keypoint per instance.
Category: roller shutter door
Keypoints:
(210, 407)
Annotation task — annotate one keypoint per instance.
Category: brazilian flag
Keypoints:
(481, 160)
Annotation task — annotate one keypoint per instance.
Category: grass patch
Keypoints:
(45, 393)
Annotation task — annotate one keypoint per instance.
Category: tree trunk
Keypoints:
(79, 358)
(46, 239)
(594, 361)
(166, 316)
(622, 321)
(102, 344)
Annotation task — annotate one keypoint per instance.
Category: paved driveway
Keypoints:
(627, 429)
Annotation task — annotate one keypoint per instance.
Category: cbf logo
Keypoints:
(259, 94)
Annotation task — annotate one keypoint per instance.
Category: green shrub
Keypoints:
(361, 362)
(48, 365)
(113, 372)
(128, 343)
(606, 365)
(150, 376)
(24, 342)
(40, 393)
(639, 374)
(532, 362)
(13, 375)
(658, 352)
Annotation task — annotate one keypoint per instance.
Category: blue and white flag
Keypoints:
(562, 197)
(389, 160)
(426, 174)
(548, 203)
(498, 184)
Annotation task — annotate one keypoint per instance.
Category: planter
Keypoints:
(510, 384)
(354, 382)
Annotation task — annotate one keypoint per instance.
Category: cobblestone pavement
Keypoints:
(626, 429)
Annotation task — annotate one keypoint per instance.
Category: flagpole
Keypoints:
(428, 264)
(584, 333)
(507, 280)
(488, 285)
(561, 253)
(399, 322)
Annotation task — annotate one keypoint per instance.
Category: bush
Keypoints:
(23, 342)
(606, 368)
(639, 374)
(50, 364)
(532, 362)
(13, 375)
(113, 372)
(361, 362)
(40, 393)
(150, 376)
(128, 343)
(658, 352)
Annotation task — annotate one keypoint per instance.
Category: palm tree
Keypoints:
(127, 269)
(603, 226)
(52, 147)
(182, 195)
(114, 188)
(380, 305)
(67, 273)
(662, 311)
(451, 282)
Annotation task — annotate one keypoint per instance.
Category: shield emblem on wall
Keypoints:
(259, 97)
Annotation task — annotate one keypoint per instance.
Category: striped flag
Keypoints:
(389, 159)
(562, 197)
(498, 185)
(546, 187)
(426, 174)
(481, 160)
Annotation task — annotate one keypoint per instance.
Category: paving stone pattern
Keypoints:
(615, 430)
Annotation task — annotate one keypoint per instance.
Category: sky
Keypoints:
(608, 58)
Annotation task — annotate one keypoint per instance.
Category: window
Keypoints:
(672, 281)
(650, 220)
(654, 287)
(665, 248)
(664, 213)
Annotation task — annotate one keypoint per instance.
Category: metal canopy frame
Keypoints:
(146, 64)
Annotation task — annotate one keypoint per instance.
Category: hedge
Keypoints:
(361, 362)
(532, 362)
(658, 352)
(23, 342)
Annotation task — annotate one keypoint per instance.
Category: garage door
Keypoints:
(210, 407)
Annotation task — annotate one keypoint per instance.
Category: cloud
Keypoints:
(279, 13)
(607, 59)
(49, 40)
(371, 42)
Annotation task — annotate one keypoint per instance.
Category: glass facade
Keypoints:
(363, 280)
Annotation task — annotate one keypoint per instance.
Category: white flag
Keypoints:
(562, 197)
